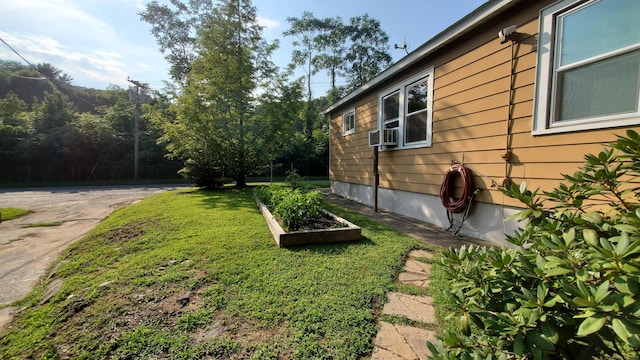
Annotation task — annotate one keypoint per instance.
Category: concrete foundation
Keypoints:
(485, 221)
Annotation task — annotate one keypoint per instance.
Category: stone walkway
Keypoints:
(401, 342)
(395, 342)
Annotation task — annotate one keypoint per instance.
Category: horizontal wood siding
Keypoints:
(350, 156)
(471, 123)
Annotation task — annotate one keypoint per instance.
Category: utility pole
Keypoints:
(135, 126)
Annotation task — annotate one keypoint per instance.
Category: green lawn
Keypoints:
(12, 213)
(193, 274)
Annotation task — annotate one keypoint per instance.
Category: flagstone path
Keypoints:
(400, 342)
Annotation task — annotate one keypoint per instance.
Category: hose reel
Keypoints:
(462, 204)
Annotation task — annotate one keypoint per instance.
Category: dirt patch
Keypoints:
(324, 222)
(112, 315)
(27, 253)
(127, 232)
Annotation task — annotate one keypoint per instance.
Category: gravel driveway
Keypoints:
(27, 252)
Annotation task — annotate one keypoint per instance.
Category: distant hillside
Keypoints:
(31, 83)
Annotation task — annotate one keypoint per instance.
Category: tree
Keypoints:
(10, 109)
(14, 129)
(319, 46)
(50, 120)
(24, 81)
(175, 29)
(368, 55)
(308, 30)
(280, 106)
(88, 141)
(54, 74)
(216, 132)
(332, 46)
(322, 44)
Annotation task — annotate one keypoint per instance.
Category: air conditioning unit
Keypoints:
(384, 137)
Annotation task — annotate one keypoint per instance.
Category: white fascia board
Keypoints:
(461, 27)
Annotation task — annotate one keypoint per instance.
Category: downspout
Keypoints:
(376, 179)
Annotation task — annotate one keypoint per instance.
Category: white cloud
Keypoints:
(73, 37)
(269, 24)
(140, 4)
(31, 45)
(53, 17)
(99, 65)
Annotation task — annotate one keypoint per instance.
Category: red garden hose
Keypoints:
(446, 189)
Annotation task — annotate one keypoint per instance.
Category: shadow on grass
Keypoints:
(338, 248)
(225, 198)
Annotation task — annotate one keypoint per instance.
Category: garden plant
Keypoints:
(568, 288)
(294, 204)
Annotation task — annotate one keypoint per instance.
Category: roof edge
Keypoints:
(459, 28)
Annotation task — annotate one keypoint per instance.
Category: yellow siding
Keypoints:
(471, 124)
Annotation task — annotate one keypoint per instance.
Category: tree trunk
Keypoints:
(241, 181)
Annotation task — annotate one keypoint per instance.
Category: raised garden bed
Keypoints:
(346, 232)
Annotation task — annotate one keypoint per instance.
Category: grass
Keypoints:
(12, 213)
(438, 289)
(124, 287)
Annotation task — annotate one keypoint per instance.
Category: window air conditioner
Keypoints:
(384, 137)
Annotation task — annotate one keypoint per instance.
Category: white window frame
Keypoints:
(346, 129)
(545, 96)
(400, 89)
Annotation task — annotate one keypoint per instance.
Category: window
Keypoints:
(349, 122)
(407, 108)
(588, 66)
(417, 111)
(391, 110)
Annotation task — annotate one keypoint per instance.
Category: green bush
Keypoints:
(569, 287)
(271, 195)
(202, 173)
(296, 181)
(299, 208)
(295, 207)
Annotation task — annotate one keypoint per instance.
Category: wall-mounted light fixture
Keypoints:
(508, 34)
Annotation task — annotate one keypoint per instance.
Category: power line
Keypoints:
(51, 80)
(17, 53)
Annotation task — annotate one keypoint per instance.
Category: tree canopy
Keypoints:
(356, 51)
(229, 113)
(217, 132)
(51, 130)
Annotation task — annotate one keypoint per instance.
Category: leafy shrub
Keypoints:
(295, 207)
(295, 180)
(202, 174)
(299, 209)
(570, 288)
(271, 195)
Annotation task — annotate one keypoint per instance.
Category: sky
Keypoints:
(104, 42)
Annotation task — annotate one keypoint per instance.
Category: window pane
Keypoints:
(348, 122)
(416, 127)
(392, 124)
(604, 88)
(604, 26)
(391, 107)
(417, 96)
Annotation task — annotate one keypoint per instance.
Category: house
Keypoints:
(517, 90)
